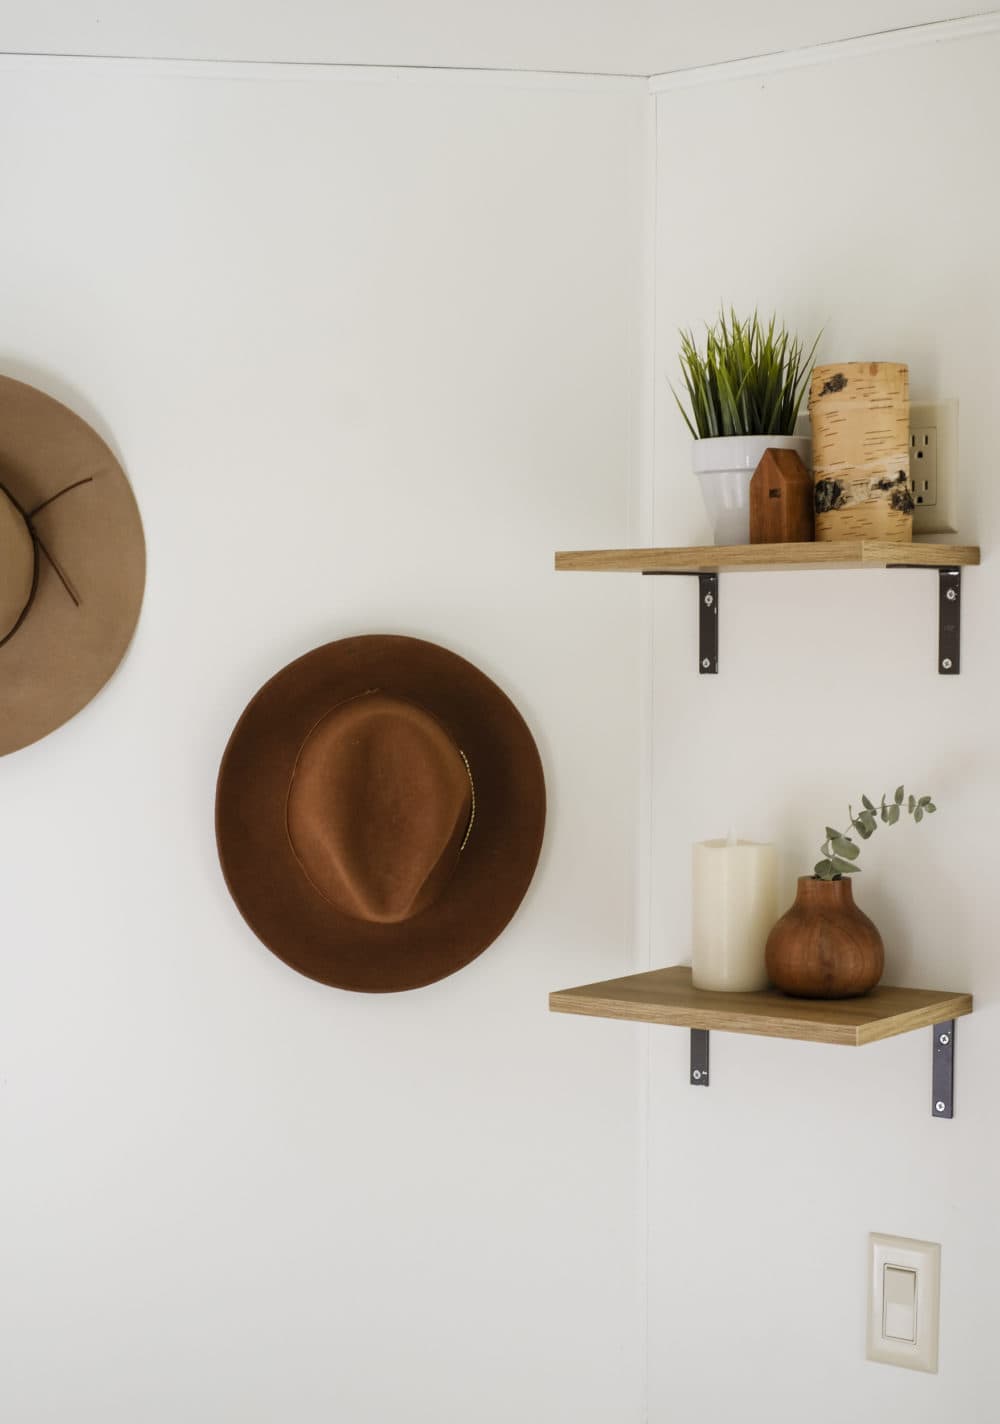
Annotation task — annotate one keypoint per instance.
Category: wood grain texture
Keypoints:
(771, 558)
(781, 500)
(860, 415)
(666, 996)
(824, 946)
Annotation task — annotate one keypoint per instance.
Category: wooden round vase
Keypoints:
(824, 947)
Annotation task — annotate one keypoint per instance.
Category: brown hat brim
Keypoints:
(494, 871)
(91, 566)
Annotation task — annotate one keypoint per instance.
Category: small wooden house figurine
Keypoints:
(781, 500)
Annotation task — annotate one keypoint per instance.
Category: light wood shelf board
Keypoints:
(667, 996)
(770, 558)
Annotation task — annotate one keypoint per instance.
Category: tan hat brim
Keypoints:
(494, 871)
(84, 515)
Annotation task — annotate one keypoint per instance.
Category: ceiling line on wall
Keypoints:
(907, 37)
(196, 62)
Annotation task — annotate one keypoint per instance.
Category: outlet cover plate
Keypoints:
(890, 1259)
(941, 417)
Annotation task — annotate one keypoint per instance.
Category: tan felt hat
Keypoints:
(379, 813)
(72, 564)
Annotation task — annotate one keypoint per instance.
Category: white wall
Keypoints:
(602, 36)
(858, 197)
(368, 349)
(685, 36)
(639, 37)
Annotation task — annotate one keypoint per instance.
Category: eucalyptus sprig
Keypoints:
(840, 852)
(749, 381)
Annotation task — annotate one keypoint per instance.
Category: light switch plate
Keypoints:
(904, 1292)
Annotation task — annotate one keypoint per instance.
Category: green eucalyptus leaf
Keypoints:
(911, 804)
(930, 808)
(845, 847)
(867, 804)
(825, 869)
(893, 815)
(918, 815)
(844, 867)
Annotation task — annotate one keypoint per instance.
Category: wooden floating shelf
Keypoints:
(707, 562)
(667, 996)
(769, 558)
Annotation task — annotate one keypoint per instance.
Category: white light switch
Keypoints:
(899, 1303)
(903, 1302)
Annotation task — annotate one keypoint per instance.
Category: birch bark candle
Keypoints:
(735, 907)
(860, 413)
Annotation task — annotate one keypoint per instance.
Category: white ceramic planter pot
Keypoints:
(725, 467)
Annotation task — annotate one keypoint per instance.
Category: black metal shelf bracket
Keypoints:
(699, 1058)
(949, 616)
(949, 621)
(943, 1075)
(708, 614)
(708, 623)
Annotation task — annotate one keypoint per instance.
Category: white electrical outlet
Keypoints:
(934, 466)
(923, 464)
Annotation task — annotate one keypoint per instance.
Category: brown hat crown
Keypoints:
(379, 813)
(18, 565)
(379, 808)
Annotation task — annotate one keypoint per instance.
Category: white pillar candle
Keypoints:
(735, 905)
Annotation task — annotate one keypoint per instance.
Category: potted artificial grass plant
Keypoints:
(744, 394)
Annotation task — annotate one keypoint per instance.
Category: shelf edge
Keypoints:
(768, 558)
(627, 1011)
(952, 1005)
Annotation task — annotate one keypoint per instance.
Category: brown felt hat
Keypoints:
(72, 564)
(379, 813)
